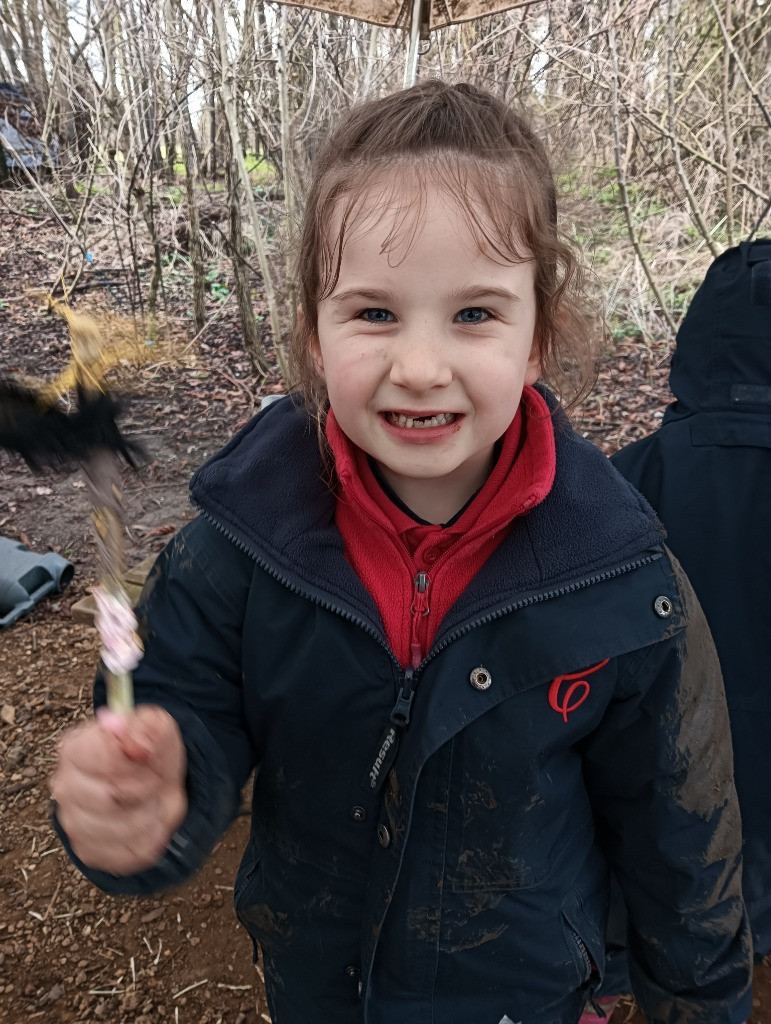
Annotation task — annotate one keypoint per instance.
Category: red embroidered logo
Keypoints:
(577, 690)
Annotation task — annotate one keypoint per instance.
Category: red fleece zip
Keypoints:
(416, 572)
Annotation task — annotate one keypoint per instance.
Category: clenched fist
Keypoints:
(120, 788)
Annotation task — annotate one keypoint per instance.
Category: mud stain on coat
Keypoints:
(393, 805)
(491, 868)
(478, 939)
(263, 921)
(703, 735)
(461, 926)
(423, 923)
(477, 795)
(185, 561)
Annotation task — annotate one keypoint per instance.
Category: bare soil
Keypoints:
(69, 953)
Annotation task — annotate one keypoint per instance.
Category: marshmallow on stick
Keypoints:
(114, 619)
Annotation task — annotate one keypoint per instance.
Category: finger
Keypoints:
(135, 740)
(154, 738)
(89, 749)
(93, 768)
(116, 724)
(103, 794)
(142, 735)
(120, 844)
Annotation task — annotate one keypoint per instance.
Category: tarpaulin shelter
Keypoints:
(418, 17)
(21, 144)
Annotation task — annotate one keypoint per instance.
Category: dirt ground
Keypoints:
(68, 952)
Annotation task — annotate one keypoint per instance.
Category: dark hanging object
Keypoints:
(48, 438)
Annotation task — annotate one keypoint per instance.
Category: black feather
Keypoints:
(46, 437)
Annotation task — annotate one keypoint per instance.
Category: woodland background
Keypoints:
(183, 132)
(186, 129)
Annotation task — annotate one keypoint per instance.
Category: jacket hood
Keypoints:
(267, 489)
(722, 357)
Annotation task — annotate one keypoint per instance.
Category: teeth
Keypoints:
(426, 421)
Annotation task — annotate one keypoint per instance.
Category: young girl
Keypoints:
(448, 639)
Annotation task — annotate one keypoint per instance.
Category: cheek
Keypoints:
(354, 379)
(356, 362)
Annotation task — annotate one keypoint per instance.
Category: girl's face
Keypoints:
(425, 348)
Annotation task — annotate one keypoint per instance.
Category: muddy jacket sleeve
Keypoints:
(660, 773)
(190, 615)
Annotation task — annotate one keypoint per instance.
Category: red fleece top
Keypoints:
(416, 572)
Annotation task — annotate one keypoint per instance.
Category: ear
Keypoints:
(316, 356)
(314, 347)
(534, 368)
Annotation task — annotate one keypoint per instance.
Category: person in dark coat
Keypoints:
(448, 639)
(707, 473)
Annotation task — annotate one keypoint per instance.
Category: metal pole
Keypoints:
(411, 67)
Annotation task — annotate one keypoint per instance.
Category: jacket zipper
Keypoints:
(585, 954)
(419, 610)
(400, 716)
(546, 595)
(244, 884)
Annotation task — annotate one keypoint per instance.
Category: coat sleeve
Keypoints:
(660, 774)
(190, 619)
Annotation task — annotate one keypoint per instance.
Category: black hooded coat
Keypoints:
(707, 473)
(465, 879)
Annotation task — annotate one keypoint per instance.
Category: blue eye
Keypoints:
(473, 315)
(376, 316)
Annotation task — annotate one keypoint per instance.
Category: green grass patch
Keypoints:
(259, 170)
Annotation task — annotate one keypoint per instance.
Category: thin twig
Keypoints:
(675, 142)
(189, 988)
(621, 178)
(53, 900)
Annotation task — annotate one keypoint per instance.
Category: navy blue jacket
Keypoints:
(707, 472)
(452, 867)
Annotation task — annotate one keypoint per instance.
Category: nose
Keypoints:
(420, 364)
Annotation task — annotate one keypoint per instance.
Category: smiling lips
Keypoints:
(441, 419)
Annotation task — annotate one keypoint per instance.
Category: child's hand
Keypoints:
(120, 788)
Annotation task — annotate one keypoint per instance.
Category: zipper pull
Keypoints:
(419, 609)
(402, 708)
(385, 755)
(389, 741)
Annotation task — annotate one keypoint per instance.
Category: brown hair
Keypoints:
(487, 157)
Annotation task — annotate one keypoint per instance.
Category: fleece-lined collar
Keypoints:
(267, 489)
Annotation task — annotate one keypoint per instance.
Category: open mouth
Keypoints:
(441, 419)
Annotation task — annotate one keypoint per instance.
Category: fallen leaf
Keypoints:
(8, 714)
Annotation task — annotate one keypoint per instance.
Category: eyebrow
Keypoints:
(364, 294)
(473, 293)
(477, 292)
